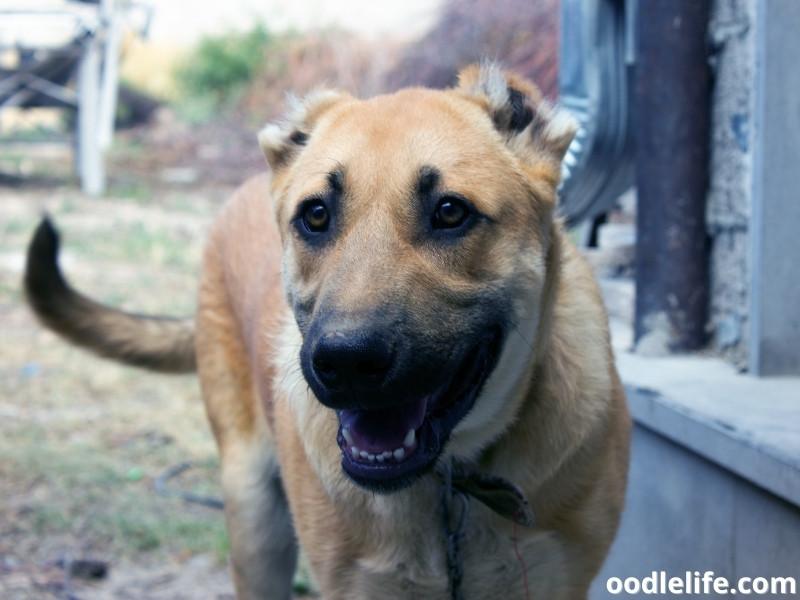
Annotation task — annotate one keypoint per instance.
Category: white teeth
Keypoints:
(382, 457)
(410, 437)
(347, 437)
(398, 454)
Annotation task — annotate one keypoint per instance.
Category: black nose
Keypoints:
(353, 362)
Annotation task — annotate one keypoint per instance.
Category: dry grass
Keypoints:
(82, 439)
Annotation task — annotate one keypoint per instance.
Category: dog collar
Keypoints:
(499, 494)
(496, 493)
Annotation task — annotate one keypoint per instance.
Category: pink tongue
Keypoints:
(383, 430)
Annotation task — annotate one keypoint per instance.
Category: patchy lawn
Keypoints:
(82, 439)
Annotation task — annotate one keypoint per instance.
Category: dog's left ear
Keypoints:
(530, 123)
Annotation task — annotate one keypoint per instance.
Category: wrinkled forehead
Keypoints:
(386, 141)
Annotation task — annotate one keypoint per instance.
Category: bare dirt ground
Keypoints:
(82, 440)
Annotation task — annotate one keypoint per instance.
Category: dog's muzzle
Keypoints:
(396, 407)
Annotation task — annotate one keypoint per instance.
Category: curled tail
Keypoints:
(156, 343)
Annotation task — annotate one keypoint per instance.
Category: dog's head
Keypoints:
(416, 228)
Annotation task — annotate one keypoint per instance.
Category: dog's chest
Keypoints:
(406, 556)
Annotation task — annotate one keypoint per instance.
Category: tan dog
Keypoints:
(398, 333)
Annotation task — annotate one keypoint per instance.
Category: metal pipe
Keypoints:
(672, 127)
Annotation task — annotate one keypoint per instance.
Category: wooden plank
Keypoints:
(774, 344)
(90, 158)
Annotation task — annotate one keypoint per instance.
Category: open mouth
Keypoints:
(387, 449)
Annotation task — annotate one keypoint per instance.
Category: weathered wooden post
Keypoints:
(91, 168)
(98, 76)
(109, 83)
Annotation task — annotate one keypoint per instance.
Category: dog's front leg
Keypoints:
(262, 538)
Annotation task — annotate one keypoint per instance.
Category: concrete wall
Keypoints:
(732, 33)
(753, 208)
(685, 513)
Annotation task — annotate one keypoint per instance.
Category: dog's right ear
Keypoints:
(281, 141)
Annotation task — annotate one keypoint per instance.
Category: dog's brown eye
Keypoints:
(450, 213)
(316, 217)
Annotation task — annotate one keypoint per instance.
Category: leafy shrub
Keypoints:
(219, 68)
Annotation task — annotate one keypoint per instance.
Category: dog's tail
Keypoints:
(156, 343)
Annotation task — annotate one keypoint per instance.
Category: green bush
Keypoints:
(218, 69)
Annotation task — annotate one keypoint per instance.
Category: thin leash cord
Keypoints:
(160, 484)
(453, 534)
(454, 523)
(521, 563)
